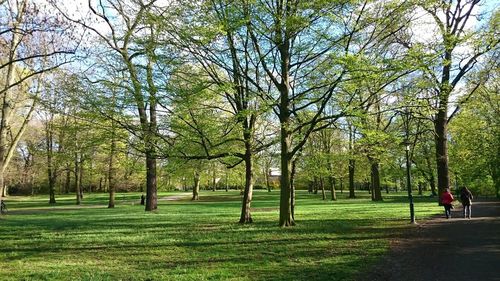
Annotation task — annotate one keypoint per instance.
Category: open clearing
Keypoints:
(201, 240)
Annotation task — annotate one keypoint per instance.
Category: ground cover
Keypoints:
(200, 240)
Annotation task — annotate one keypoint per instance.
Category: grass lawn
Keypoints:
(201, 240)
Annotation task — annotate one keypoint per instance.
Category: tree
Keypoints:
(235, 81)
(55, 143)
(475, 139)
(307, 51)
(131, 38)
(453, 53)
(31, 44)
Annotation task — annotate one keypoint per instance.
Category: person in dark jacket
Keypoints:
(466, 198)
(446, 200)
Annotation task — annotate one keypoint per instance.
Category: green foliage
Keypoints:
(475, 143)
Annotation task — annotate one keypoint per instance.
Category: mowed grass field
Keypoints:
(184, 240)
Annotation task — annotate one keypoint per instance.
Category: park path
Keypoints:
(442, 249)
(175, 197)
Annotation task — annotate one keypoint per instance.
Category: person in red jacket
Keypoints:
(446, 200)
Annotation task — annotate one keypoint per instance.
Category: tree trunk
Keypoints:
(440, 125)
(292, 187)
(50, 172)
(7, 104)
(80, 178)
(2, 189)
(214, 181)
(105, 185)
(111, 169)
(67, 184)
(196, 187)
(292, 198)
(91, 173)
(352, 164)
(148, 127)
(227, 181)
(332, 188)
(286, 218)
(151, 187)
(322, 185)
(246, 216)
(77, 180)
(266, 175)
(315, 185)
(375, 184)
(432, 183)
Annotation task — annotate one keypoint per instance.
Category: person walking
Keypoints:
(446, 200)
(466, 198)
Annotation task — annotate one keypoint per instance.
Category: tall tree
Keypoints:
(131, 37)
(462, 39)
(34, 41)
(221, 46)
(475, 138)
(307, 50)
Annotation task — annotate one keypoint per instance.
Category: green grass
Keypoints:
(187, 240)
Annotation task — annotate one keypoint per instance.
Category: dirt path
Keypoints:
(175, 197)
(441, 249)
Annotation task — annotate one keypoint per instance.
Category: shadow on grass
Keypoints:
(197, 241)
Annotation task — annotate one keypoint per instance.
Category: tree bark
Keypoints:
(77, 180)
(292, 187)
(441, 122)
(151, 187)
(352, 164)
(227, 181)
(50, 171)
(322, 185)
(196, 187)
(375, 184)
(214, 181)
(246, 216)
(315, 185)
(68, 179)
(332, 188)
(4, 190)
(80, 178)
(150, 139)
(266, 175)
(432, 180)
(111, 169)
(7, 104)
(441, 132)
(286, 218)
